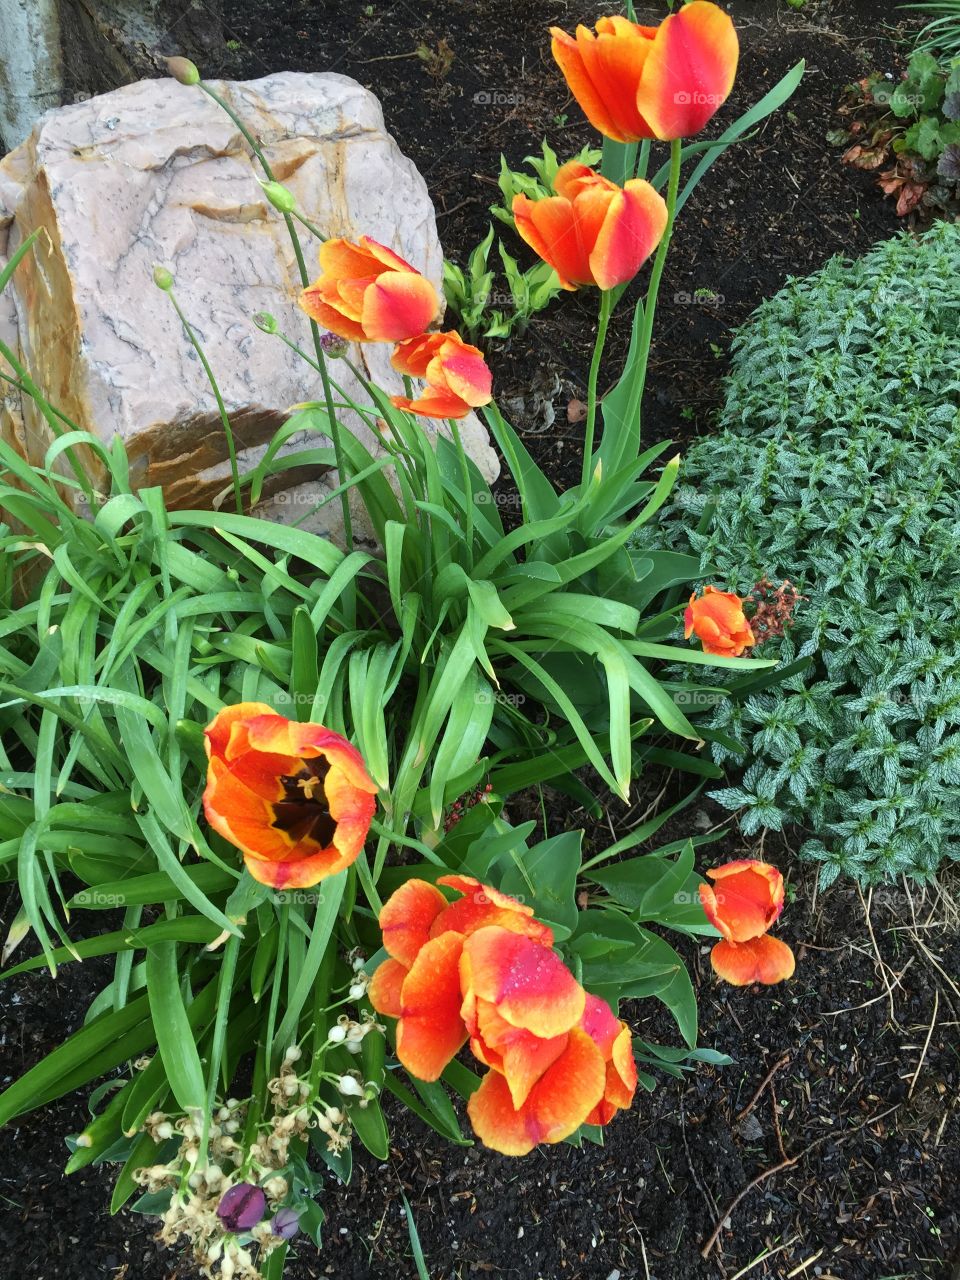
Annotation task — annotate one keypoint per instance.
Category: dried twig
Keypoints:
(763, 1084)
(926, 1043)
(876, 950)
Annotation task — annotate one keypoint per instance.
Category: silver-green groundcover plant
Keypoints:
(839, 468)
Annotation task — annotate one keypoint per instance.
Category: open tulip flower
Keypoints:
(482, 969)
(456, 374)
(295, 798)
(664, 82)
(368, 293)
(745, 900)
(592, 231)
(718, 621)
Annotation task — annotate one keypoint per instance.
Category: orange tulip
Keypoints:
(296, 799)
(482, 969)
(367, 293)
(718, 620)
(747, 899)
(592, 231)
(456, 374)
(665, 82)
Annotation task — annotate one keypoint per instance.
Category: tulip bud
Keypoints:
(279, 196)
(183, 70)
(241, 1207)
(265, 322)
(285, 1223)
(162, 278)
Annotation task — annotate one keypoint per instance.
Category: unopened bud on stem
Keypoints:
(183, 70)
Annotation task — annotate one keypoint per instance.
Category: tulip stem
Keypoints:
(606, 306)
(467, 487)
(650, 302)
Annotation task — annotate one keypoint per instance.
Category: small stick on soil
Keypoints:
(764, 1257)
(880, 964)
(787, 1164)
(776, 1121)
(926, 1043)
(803, 1265)
(763, 1084)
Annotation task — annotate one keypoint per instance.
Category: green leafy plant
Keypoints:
(471, 295)
(941, 35)
(839, 468)
(914, 123)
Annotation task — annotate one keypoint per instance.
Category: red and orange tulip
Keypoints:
(456, 374)
(368, 293)
(744, 902)
(482, 969)
(294, 798)
(635, 82)
(718, 621)
(592, 231)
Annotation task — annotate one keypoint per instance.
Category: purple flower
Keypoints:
(285, 1223)
(241, 1207)
(333, 346)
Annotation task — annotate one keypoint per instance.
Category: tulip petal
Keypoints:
(306, 742)
(548, 228)
(385, 987)
(413, 355)
(520, 1056)
(465, 372)
(406, 918)
(633, 227)
(430, 1031)
(763, 959)
(317, 308)
(689, 70)
(481, 906)
(556, 1106)
(433, 403)
(614, 60)
(530, 985)
(298, 870)
(398, 305)
(386, 256)
(746, 899)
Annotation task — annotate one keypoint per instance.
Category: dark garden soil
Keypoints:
(863, 1108)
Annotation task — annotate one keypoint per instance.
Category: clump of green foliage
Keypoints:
(914, 125)
(838, 467)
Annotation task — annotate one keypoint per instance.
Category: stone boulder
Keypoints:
(156, 174)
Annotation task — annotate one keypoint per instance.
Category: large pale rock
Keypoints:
(154, 173)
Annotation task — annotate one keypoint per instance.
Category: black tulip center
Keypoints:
(303, 812)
